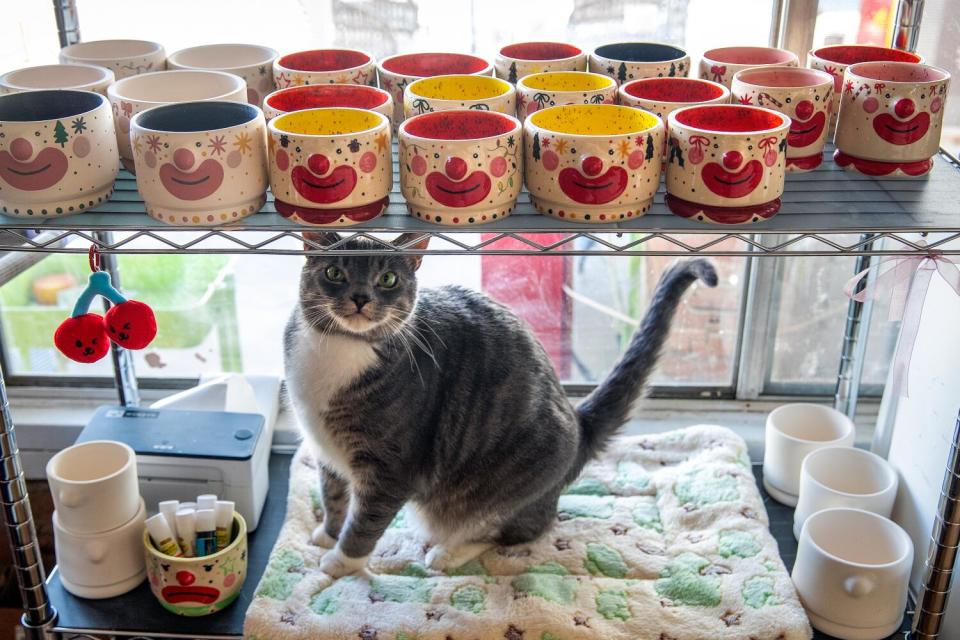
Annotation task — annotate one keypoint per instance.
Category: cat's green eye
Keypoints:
(334, 274)
(388, 280)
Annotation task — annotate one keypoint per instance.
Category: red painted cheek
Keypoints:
(21, 149)
(318, 163)
(592, 165)
(455, 168)
(498, 166)
(904, 108)
(185, 578)
(871, 104)
(732, 159)
(418, 165)
(183, 158)
(283, 160)
(367, 162)
(804, 109)
(550, 160)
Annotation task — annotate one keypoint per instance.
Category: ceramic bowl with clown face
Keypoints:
(124, 57)
(201, 163)
(324, 66)
(251, 62)
(516, 61)
(720, 65)
(442, 93)
(555, 88)
(593, 163)
(79, 77)
(56, 157)
(351, 96)
(330, 166)
(726, 163)
(199, 586)
(891, 117)
(461, 167)
(626, 61)
(805, 95)
(396, 72)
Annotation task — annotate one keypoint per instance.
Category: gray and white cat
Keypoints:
(444, 399)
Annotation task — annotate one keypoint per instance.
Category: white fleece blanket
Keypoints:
(665, 538)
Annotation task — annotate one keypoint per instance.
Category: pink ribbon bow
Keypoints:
(907, 281)
(718, 72)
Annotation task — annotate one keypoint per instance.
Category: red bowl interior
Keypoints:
(849, 54)
(424, 65)
(540, 51)
(673, 90)
(749, 55)
(327, 95)
(324, 60)
(459, 125)
(729, 118)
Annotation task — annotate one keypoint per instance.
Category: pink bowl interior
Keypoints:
(459, 125)
(852, 54)
(324, 60)
(425, 65)
(784, 77)
(729, 118)
(749, 55)
(540, 51)
(673, 90)
(327, 95)
(898, 72)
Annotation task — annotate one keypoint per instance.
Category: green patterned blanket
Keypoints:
(665, 538)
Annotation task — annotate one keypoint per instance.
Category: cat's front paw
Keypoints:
(443, 558)
(336, 565)
(321, 538)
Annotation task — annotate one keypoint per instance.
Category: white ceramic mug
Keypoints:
(844, 477)
(79, 77)
(793, 431)
(104, 564)
(94, 486)
(852, 573)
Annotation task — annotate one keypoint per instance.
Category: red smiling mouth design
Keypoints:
(193, 185)
(42, 172)
(203, 595)
(804, 134)
(468, 191)
(732, 185)
(332, 188)
(599, 190)
(896, 132)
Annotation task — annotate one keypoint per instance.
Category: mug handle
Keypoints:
(858, 586)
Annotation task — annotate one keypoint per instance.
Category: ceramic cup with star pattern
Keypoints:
(58, 152)
(553, 88)
(396, 72)
(806, 95)
(626, 61)
(726, 163)
(330, 166)
(324, 66)
(201, 163)
(252, 62)
(353, 96)
(592, 163)
(891, 118)
(461, 167)
(441, 93)
(516, 61)
(720, 65)
(124, 57)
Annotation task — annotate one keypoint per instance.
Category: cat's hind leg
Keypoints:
(530, 522)
(443, 557)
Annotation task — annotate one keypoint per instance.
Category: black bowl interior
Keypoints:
(640, 52)
(196, 116)
(47, 105)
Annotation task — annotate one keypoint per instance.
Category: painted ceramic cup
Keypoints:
(396, 72)
(592, 163)
(324, 66)
(79, 77)
(330, 167)
(124, 57)
(516, 61)
(626, 61)
(251, 62)
(201, 163)
(200, 585)
(352, 96)
(720, 65)
(836, 58)
(726, 163)
(555, 88)
(805, 95)
(58, 152)
(891, 117)
(441, 93)
(132, 95)
(461, 167)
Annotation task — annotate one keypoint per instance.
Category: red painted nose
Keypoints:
(318, 163)
(21, 149)
(804, 109)
(732, 159)
(904, 108)
(185, 578)
(183, 158)
(455, 167)
(592, 165)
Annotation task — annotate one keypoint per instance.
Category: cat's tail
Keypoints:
(605, 410)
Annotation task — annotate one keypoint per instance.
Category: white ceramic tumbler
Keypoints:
(844, 477)
(94, 486)
(852, 573)
(792, 432)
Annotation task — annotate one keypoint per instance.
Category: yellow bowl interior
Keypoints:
(459, 87)
(594, 119)
(567, 81)
(327, 122)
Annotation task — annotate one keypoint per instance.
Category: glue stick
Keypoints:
(169, 510)
(223, 514)
(206, 501)
(186, 528)
(206, 532)
(162, 536)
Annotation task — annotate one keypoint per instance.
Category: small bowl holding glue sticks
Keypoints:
(200, 571)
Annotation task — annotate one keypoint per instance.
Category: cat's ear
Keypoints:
(319, 238)
(417, 241)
